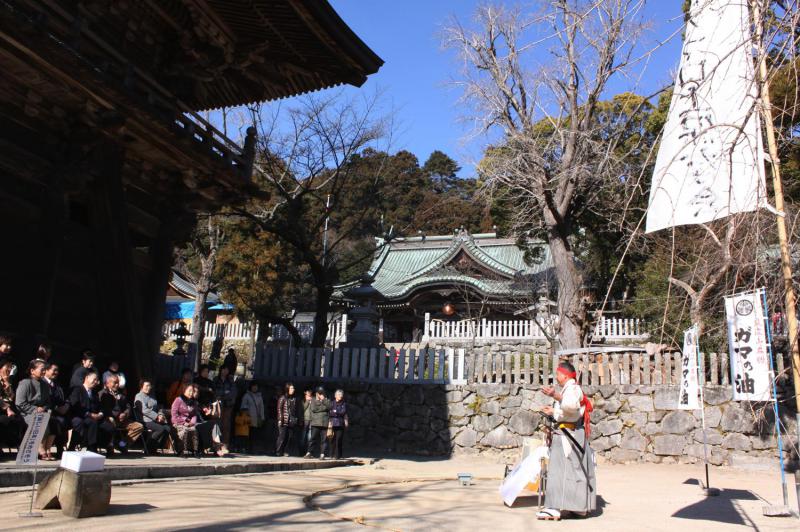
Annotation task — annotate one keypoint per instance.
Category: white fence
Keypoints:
(464, 330)
(423, 366)
(337, 330)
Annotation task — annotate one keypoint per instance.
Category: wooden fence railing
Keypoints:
(423, 366)
(455, 366)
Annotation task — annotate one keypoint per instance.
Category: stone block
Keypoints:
(458, 410)
(666, 398)
(763, 442)
(677, 422)
(713, 437)
(467, 438)
(598, 415)
(486, 423)
(601, 444)
(77, 494)
(713, 416)
(717, 395)
(640, 403)
(524, 422)
(669, 445)
(738, 442)
(608, 427)
(657, 416)
(736, 418)
(715, 456)
(612, 406)
(624, 455)
(632, 440)
(634, 419)
(615, 439)
(490, 407)
(500, 437)
(454, 396)
(512, 401)
(650, 429)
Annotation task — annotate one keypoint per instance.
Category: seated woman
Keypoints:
(185, 418)
(33, 396)
(12, 425)
(147, 410)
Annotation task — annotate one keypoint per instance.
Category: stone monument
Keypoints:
(365, 315)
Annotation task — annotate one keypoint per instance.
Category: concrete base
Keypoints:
(77, 494)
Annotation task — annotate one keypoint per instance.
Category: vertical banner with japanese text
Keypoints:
(690, 385)
(29, 448)
(710, 162)
(747, 342)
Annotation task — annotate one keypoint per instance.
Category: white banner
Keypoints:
(710, 162)
(690, 385)
(747, 342)
(28, 454)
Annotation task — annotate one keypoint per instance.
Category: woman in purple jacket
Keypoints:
(185, 418)
(338, 422)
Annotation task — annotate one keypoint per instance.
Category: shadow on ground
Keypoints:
(723, 508)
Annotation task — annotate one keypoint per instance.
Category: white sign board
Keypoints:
(710, 162)
(28, 454)
(690, 386)
(747, 342)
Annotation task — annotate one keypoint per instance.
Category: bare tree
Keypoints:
(303, 168)
(198, 262)
(555, 157)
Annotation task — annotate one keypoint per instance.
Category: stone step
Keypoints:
(161, 467)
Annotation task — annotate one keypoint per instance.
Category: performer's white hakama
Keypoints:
(570, 473)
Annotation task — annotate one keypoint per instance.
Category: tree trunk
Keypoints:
(571, 308)
(321, 308)
(203, 287)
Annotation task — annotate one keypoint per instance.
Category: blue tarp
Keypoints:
(179, 310)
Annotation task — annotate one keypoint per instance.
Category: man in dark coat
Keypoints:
(90, 428)
(320, 412)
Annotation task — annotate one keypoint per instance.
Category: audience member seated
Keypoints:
(113, 369)
(185, 418)
(117, 409)
(12, 425)
(59, 407)
(176, 388)
(153, 419)
(90, 429)
(32, 397)
(86, 366)
(205, 386)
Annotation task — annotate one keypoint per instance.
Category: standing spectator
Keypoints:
(241, 436)
(225, 392)
(86, 366)
(287, 416)
(185, 418)
(113, 369)
(205, 386)
(89, 426)
(32, 397)
(117, 409)
(44, 352)
(176, 388)
(12, 426)
(230, 362)
(320, 420)
(304, 437)
(6, 346)
(338, 422)
(59, 408)
(153, 419)
(254, 404)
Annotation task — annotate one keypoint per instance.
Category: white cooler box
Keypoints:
(82, 461)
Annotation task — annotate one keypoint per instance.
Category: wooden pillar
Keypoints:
(119, 292)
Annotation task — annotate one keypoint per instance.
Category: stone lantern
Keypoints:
(365, 315)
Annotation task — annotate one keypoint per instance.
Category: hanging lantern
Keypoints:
(448, 309)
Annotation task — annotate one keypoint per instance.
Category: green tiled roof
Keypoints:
(406, 265)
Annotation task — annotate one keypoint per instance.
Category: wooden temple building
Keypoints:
(105, 161)
(460, 278)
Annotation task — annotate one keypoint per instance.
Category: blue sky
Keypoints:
(415, 78)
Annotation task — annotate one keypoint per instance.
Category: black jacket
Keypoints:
(112, 406)
(81, 404)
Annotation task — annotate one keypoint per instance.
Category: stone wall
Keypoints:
(630, 423)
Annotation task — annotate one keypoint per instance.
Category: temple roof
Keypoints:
(490, 265)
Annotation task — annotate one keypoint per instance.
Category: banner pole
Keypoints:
(786, 260)
(701, 383)
(775, 397)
